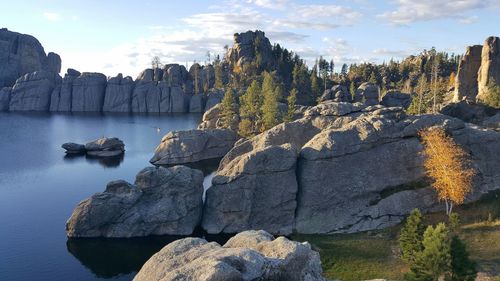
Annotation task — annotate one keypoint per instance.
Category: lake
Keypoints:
(40, 186)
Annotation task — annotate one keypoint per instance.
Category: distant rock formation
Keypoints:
(162, 201)
(479, 67)
(32, 92)
(490, 67)
(21, 54)
(245, 46)
(248, 256)
(466, 79)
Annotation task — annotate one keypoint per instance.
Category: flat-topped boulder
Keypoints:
(179, 147)
(105, 147)
(88, 92)
(250, 255)
(162, 201)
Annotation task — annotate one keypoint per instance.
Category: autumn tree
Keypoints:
(447, 164)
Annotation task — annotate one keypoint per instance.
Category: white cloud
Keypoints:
(409, 11)
(270, 4)
(52, 16)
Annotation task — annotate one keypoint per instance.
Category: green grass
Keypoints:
(362, 256)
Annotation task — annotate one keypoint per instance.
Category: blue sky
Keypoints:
(122, 36)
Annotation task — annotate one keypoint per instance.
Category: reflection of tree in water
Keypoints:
(108, 162)
(111, 257)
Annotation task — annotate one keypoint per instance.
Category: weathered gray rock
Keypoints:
(466, 79)
(489, 72)
(492, 122)
(367, 93)
(197, 103)
(396, 99)
(210, 118)
(468, 111)
(146, 96)
(255, 190)
(21, 54)
(162, 201)
(179, 101)
(5, 98)
(213, 98)
(250, 255)
(118, 97)
(244, 46)
(87, 94)
(105, 147)
(337, 93)
(180, 147)
(32, 91)
(74, 148)
(61, 97)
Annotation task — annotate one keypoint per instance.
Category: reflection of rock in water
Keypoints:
(108, 162)
(108, 258)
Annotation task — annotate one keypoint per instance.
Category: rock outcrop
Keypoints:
(489, 72)
(32, 92)
(162, 201)
(74, 148)
(469, 111)
(367, 93)
(88, 91)
(62, 95)
(256, 190)
(396, 99)
(244, 46)
(466, 79)
(211, 117)
(105, 147)
(359, 168)
(181, 147)
(21, 54)
(337, 93)
(118, 96)
(250, 255)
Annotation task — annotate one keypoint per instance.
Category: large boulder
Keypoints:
(62, 95)
(73, 148)
(396, 99)
(255, 190)
(197, 103)
(210, 119)
(5, 98)
(146, 96)
(469, 111)
(21, 54)
(105, 147)
(32, 91)
(213, 98)
(337, 93)
(367, 93)
(88, 92)
(250, 255)
(162, 201)
(180, 147)
(466, 79)
(118, 97)
(489, 72)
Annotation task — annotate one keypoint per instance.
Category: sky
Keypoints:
(114, 37)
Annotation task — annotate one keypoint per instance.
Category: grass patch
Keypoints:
(363, 256)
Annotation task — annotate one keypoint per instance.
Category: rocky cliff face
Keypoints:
(466, 80)
(341, 168)
(478, 69)
(245, 49)
(490, 67)
(21, 54)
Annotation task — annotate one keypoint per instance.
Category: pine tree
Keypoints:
(250, 109)
(462, 267)
(435, 260)
(229, 109)
(315, 86)
(352, 90)
(219, 84)
(410, 238)
(292, 99)
(453, 222)
(270, 110)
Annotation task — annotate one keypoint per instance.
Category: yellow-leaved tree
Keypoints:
(448, 165)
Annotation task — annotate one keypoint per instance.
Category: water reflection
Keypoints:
(107, 162)
(108, 258)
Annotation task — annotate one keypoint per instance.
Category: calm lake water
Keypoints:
(39, 188)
